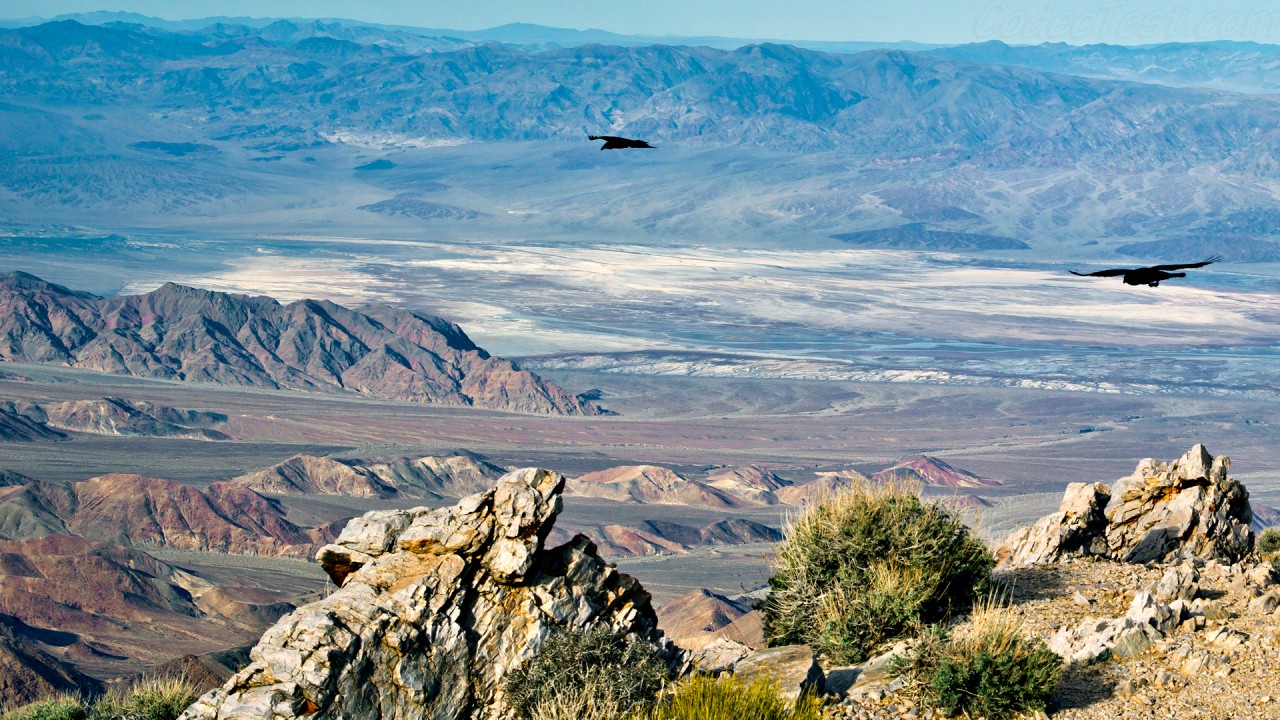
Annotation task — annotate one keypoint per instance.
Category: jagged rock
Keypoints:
(1076, 529)
(1096, 640)
(1178, 583)
(793, 667)
(719, 656)
(434, 608)
(1189, 508)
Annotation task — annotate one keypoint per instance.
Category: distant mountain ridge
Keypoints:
(182, 333)
(139, 511)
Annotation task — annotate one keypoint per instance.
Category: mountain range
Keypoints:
(182, 333)
(878, 103)
(1086, 152)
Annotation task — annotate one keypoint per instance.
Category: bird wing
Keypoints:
(1202, 263)
(1102, 273)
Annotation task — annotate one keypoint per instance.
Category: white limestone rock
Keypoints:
(434, 608)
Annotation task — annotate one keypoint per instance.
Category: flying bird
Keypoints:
(1149, 276)
(612, 142)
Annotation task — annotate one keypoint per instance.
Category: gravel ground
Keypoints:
(1224, 665)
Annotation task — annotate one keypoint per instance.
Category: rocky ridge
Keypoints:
(183, 333)
(424, 477)
(434, 607)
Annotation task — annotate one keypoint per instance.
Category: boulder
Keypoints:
(434, 608)
(719, 656)
(1187, 509)
(1184, 509)
(793, 667)
(1076, 529)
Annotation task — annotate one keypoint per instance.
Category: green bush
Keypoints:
(727, 698)
(585, 675)
(1269, 543)
(150, 699)
(865, 565)
(61, 707)
(988, 670)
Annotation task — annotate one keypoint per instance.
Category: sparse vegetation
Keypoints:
(587, 675)
(987, 669)
(728, 698)
(866, 564)
(1269, 545)
(150, 699)
(60, 707)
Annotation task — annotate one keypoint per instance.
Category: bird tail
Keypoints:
(593, 137)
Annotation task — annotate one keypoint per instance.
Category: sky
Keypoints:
(1127, 22)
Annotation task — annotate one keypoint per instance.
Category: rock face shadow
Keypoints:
(1081, 687)
(1027, 584)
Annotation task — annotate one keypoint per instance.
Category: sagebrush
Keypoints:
(1268, 545)
(578, 673)
(988, 668)
(865, 565)
(727, 698)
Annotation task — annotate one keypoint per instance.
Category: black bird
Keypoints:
(612, 142)
(1149, 276)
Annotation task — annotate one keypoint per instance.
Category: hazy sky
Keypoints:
(1128, 22)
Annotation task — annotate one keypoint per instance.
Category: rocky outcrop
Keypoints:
(1189, 508)
(183, 333)
(434, 608)
(794, 668)
(1078, 528)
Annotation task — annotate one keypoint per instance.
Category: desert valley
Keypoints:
(260, 278)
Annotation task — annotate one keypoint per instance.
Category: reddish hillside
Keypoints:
(150, 512)
(183, 333)
(107, 609)
(931, 472)
(650, 484)
(749, 482)
(824, 484)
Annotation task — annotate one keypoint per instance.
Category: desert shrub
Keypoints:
(728, 698)
(583, 671)
(987, 669)
(149, 699)
(60, 707)
(866, 564)
(1269, 543)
